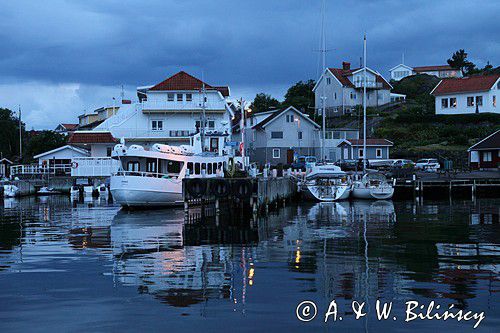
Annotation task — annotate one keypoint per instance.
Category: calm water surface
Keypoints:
(90, 266)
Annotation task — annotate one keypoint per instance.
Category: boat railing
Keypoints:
(146, 174)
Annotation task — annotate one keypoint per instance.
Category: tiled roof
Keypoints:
(91, 137)
(185, 81)
(466, 84)
(70, 126)
(432, 68)
(490, 142)
(342, 76)
(370, 142)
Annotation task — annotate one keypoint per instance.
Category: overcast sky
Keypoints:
(59, 58)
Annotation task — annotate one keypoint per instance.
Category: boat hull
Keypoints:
(130, 191)
(327, 193)
(372, 193)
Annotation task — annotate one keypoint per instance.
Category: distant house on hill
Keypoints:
(66, 128)
(442, 71)
(475, 94)
(486, 153)
(342, 89)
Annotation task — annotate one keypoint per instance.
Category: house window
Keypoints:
(189, 97)
(479, 100)
(108, 151)
(487, 156)
(470, 101)
(361, 153)
(299, 135)
(378, 152)
(453, 102)
(211, 124)
(276, 153)
(289, 118)
(170, 97)
(494, 100)
(444, 103)
(276, 135)
(157, 125)
(328, 135)
(328, 80)
(335, 95)
(179, 97)
(197, 124)
(352, 96)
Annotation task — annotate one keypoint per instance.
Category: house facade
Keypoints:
(341, 89)
(279, 136)
(486, 153)
(442, 71)
(66, 128)
(352, 149)
(475, 94)
(5, 168)
(170, 112)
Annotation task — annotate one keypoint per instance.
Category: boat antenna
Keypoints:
(20, 136)
(323, 66)
(364, 103)
(203, 113)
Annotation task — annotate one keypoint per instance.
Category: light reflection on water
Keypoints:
(56, 255)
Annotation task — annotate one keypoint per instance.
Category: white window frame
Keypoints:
(179, 99)
(277, 132)
(278, 155)
(378, 153)
(213, 124)
(189, 97)
(451, 104)
(156, 125)
(361, 153)
(170, 97)
(487, 156)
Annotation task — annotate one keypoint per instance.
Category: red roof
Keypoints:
(342, 76)
(370, 142)
(185, 81)
(91, 137)
(69, 126)
(433, 68)
(466, 84)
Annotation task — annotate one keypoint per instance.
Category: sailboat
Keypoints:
(325, 181)
(371, 185)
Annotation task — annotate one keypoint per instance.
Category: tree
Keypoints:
(9, 138)
(301, 96)
(42, 141)
(459, 61)
(264, 102)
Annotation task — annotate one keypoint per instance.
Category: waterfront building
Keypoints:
(352, 149)
(342, 89)
(486, 153)
(442, 71)
(474, 94)
(278, 136)
(66, 128)
(5, 168)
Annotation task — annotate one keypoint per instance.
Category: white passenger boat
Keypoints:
(47, 191)
(149, 178)
(372, 186)
(326, 182)
(103, 192)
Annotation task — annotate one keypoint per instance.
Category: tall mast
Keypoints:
(203, 116)
(20, 136)
(323, 66)
(364, 104)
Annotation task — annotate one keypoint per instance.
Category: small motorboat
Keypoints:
(47, 191)
(326, 182)
(10, 191)
(373, 185)
(103, 192)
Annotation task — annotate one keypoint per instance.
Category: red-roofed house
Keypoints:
(342, 89)
(66, 128)
(442, 71)
(474, 94)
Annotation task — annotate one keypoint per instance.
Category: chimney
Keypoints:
(346, 65)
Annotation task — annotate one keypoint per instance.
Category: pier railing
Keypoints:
(93, 166)
(37, 169)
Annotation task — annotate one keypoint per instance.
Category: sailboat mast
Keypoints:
(203, 117)
(323, 67)
(20, 136)
(364, 104)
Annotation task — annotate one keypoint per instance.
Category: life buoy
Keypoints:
(196, 187)
(74, 165)
(219, 188)
(242, 189)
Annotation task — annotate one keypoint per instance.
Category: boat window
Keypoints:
(209, 170)
(174, 166)
(150, 165)
(204, 166)
(215, 167)
(220, 166)
(197, 168)
(190, 167)
(133, 166)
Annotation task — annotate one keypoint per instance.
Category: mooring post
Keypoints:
(473, 189)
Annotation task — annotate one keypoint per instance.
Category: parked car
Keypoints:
(428, 164)
(350, 165)
(403, 164)
(302, 162)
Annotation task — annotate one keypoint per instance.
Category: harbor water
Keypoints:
(91, 266)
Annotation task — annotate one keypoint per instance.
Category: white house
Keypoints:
(170, 112)
(475, 94)
(442, 71)
(342, 89)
